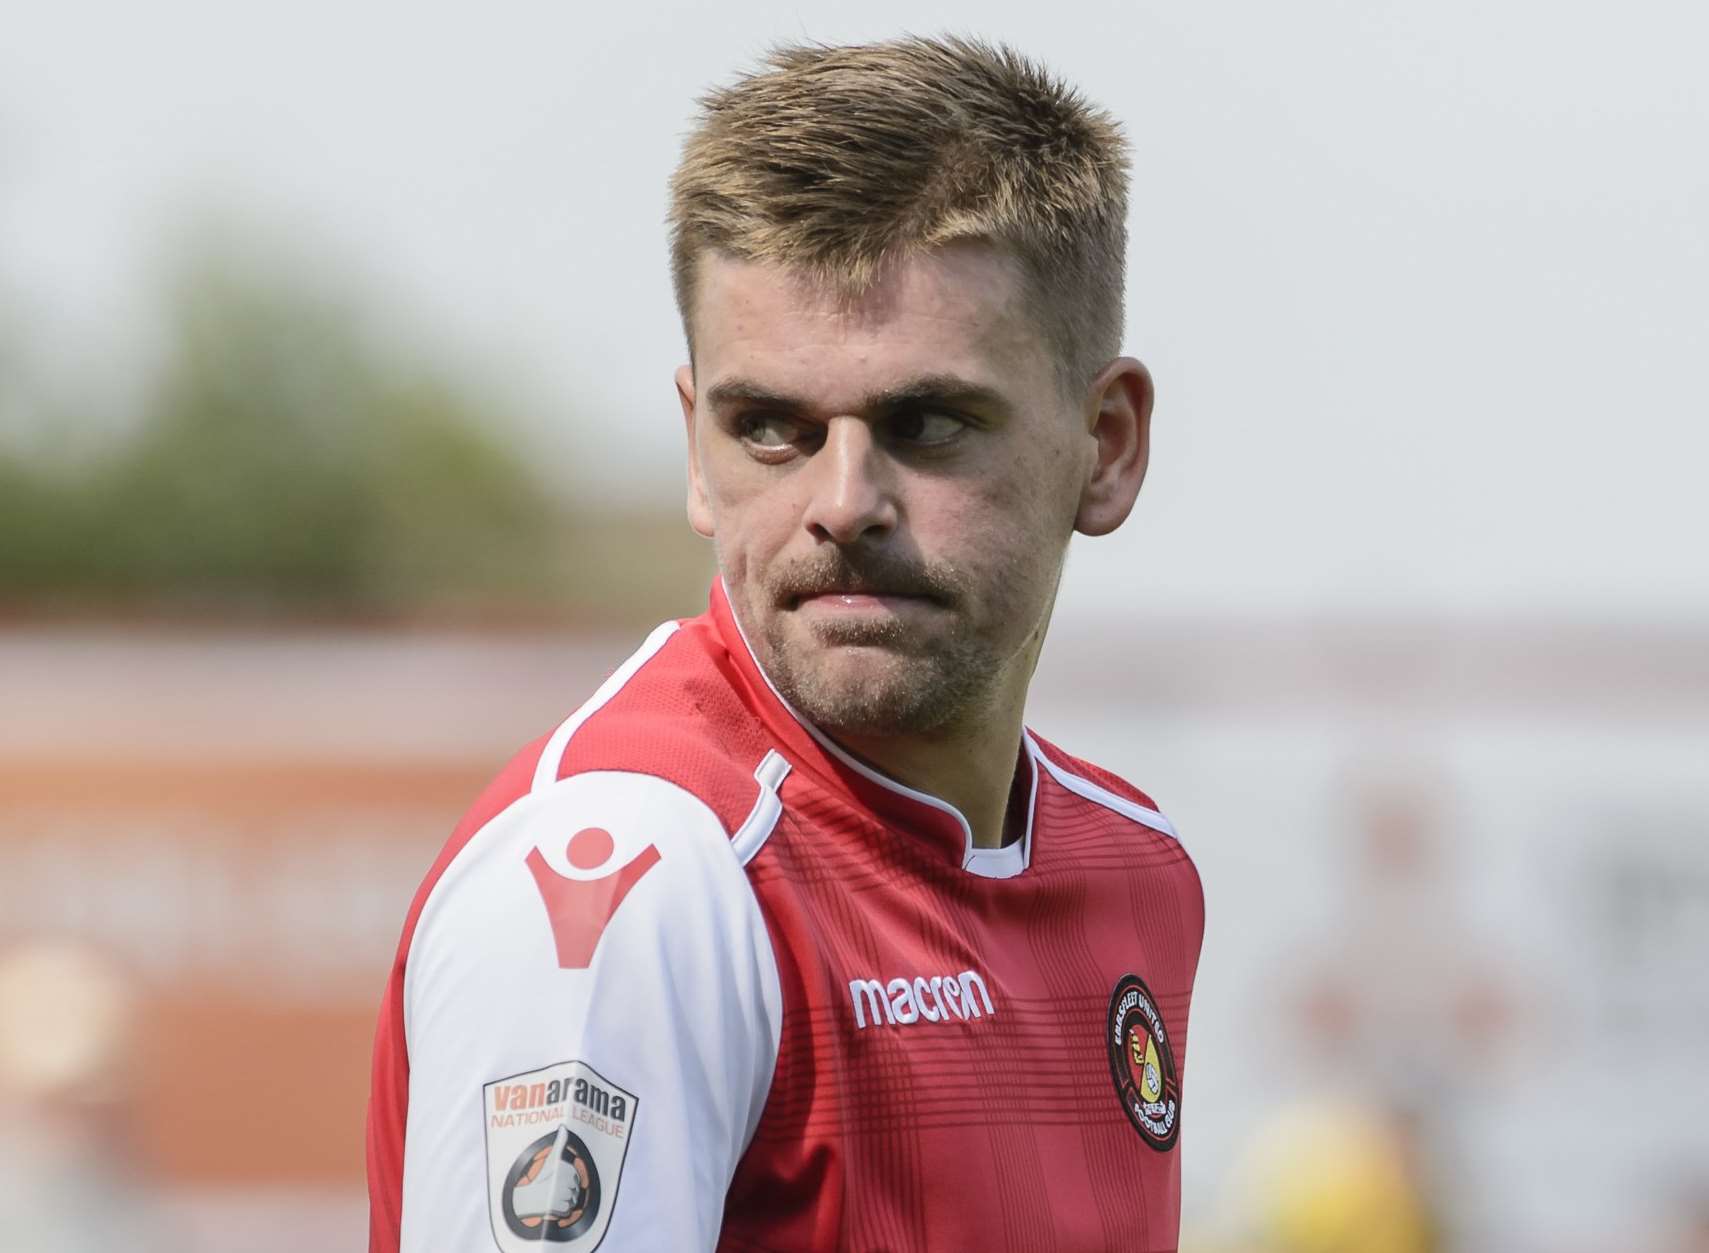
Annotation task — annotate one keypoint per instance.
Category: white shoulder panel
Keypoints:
(592, 1009)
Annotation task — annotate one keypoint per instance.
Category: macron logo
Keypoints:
(902, 1001)
(580, 904)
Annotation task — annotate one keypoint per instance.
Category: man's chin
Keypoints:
(868, 713)
(860, 689)
(840, 673)
(863, 679)
(838, 648)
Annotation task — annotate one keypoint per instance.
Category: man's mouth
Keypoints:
(860, 599)
(870, 583)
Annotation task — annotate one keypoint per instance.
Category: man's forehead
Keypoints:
(954, 311)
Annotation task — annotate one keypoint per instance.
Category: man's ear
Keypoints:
(699, 511)
(1118, 410)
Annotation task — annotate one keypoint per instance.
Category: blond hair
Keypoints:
(837, 161)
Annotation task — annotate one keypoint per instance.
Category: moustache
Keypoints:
(856, 572)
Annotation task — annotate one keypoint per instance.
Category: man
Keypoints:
(792, 937)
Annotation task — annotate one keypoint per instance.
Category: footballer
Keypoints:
(794, 936)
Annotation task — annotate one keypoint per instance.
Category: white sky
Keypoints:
(1425, 287)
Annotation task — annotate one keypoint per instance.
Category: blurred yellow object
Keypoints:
(1327, 1178)
(64, 1019)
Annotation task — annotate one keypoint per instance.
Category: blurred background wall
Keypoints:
(339, 457)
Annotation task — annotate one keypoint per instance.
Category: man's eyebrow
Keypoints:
(939, 389)
(942, 389)
(741, 392)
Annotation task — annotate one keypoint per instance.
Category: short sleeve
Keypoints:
(592, 1009)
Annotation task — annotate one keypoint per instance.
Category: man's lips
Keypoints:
(858, 600)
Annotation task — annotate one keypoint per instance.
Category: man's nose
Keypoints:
(850, 481)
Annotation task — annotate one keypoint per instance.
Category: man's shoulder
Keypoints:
(666, 719)
(1103, 788)
(1126, 812)
(658, 764)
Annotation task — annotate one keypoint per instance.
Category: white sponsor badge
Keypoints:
(556, 1140)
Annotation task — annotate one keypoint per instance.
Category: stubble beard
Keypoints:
(878, 677)
(875, 679)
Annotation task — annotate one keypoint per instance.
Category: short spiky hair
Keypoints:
(837, 161)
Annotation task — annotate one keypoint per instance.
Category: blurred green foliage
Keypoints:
(286, 463)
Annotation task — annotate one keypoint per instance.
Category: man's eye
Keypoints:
(926, 427)
(769, 430)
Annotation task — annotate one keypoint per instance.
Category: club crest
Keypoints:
(1142, 1062)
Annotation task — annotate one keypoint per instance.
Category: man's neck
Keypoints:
(972, 768)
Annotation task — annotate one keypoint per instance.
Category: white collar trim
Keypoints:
(989, 863)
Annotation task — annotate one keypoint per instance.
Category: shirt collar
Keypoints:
(919, 813)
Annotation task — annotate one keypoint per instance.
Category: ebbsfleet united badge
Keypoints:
(556, 1141)
(1142, 1063)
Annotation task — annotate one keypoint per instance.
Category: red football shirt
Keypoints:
(688, 976)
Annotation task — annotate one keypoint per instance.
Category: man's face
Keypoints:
(890, 483)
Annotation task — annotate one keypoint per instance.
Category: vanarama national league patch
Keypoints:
(556, 1141)
(1142, 1062)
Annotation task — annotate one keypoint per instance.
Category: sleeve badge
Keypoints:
(556, 1142)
